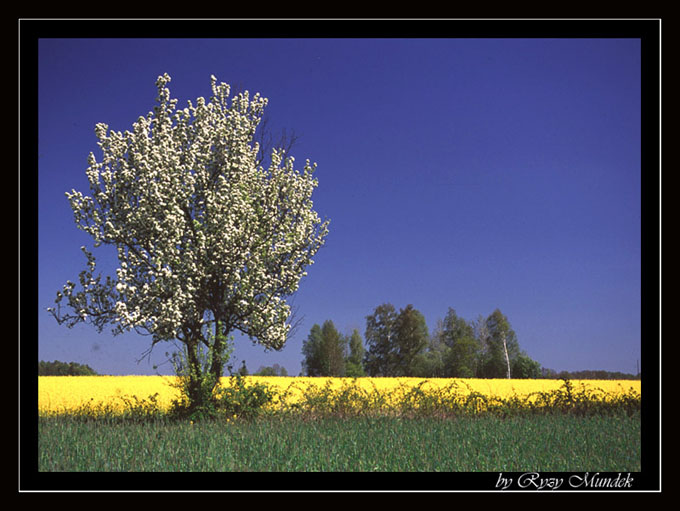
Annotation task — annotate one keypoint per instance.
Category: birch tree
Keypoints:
(208, 241)
(501, 346)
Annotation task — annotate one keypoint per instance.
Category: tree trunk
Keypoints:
(507, 358)
(194, 375)
(219, 345)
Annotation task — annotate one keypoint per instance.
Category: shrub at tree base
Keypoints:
(238, 399)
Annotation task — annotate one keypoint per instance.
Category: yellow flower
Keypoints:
(67, 394)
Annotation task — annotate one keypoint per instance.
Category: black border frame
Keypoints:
(31, 30)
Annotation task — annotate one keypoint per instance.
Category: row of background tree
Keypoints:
(57, 368)
(399, 344)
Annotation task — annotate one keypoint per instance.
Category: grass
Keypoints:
(350, 428)
(487, 443)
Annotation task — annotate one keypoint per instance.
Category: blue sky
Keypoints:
(467, 173)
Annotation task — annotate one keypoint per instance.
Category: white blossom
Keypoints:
(202, 231)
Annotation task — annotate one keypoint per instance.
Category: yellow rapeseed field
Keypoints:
(66, 394)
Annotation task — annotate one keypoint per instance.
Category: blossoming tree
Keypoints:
(208, 241)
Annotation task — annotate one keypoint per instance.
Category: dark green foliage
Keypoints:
(57, 368)
(211, 401)
(380, 341)
(524, 367)
(588, 375)
(196, 385)
(455, 328)
(333, 349)
(398, 344)
(500, 347)
(202, 397)
(311, 351)
(324, 351)
(395, 341)
(197, 399)
(274, 370)
(243, 370)
(354, 364)
(243, 400)
(462, 358)
(430, 363)
(411, 339)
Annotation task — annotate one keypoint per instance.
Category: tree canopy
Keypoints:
(274, 370)
(208, 242)
(324, 351)
(354, 366)
(399, 344)
(394, 340)
(58, 368)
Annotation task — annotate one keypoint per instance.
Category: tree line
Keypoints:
(398, 343)
(589, 374)
(58, 368)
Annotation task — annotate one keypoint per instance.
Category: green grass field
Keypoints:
(546, 443)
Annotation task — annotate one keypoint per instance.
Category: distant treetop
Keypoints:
(589, 374)
(57, 368)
